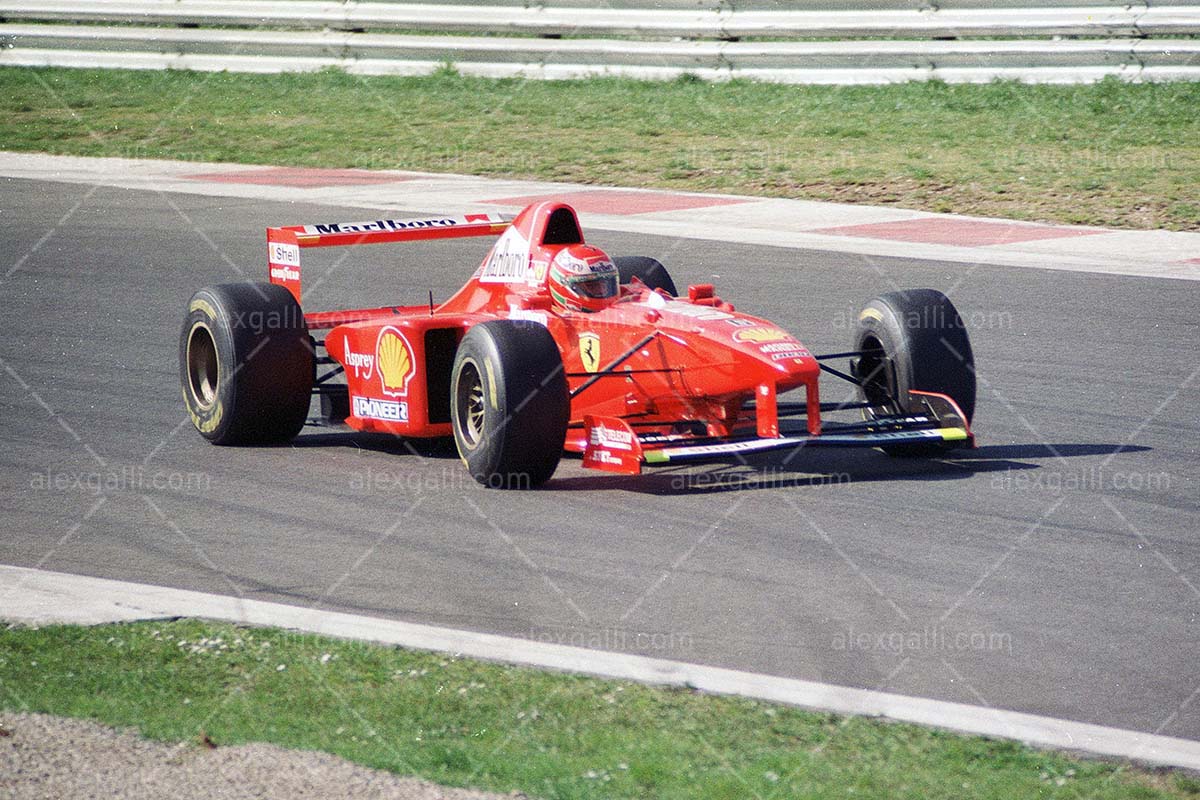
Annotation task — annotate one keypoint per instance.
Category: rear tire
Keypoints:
(913, 339)
(509, 404)
(246, 364)
(649, 271)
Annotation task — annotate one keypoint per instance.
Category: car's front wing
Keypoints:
(614, 446)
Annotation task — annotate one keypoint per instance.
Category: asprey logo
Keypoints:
(362, 363)
(395, 362)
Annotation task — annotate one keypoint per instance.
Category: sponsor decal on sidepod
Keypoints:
(362, 363)
(395, 360)
(387, 410)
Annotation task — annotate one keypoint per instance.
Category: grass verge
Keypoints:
(469, 723)
(1111, 153)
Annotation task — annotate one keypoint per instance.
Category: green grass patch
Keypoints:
(470, 723)
(1107, 154)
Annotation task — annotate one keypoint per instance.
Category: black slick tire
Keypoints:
(913, 339)
(246, 364)
(509, 403)
(649, 271)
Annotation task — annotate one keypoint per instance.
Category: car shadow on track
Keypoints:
(802, 468)
(817, 468)
(378, 443)
(1045, 450)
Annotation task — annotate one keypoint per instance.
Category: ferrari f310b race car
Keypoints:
(552, 346)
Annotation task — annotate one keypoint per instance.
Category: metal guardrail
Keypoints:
(929, 22)
(252, 35)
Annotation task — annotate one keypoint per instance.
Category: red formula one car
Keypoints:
(552, 346)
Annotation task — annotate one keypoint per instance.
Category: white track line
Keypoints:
(42, 597)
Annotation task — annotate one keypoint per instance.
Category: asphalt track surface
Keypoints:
(1055, 570)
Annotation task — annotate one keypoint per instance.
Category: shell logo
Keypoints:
(393, 357)
(761, 335)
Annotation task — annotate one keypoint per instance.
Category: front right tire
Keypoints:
(509, 403)
(913, 339)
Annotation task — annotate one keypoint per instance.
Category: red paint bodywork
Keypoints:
(698, 363)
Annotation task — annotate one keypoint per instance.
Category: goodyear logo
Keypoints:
(760, 335)
(394, 359)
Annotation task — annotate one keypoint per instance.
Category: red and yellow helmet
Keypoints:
(583, 278)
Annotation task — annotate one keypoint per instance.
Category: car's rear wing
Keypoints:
(285, 243)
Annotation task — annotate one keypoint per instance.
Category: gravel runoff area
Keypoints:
(51, 757)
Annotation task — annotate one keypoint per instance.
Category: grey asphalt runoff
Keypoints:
(1054, 570)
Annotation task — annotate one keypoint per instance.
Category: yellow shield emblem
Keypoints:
(589, 351)
(395, 361)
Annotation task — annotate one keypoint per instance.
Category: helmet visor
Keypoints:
(597, 287)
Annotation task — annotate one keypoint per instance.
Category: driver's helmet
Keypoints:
(583, 278)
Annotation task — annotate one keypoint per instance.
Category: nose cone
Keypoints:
(762, 351)
(774, 346)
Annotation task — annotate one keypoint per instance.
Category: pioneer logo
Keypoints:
(386, 410)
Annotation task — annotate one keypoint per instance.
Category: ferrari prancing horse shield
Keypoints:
(589, 351)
